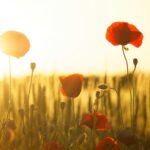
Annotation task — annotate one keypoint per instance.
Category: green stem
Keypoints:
(134, 95)
(131, 98)
(72, 99)
(30, 85)
(9, 81)
(120, 105)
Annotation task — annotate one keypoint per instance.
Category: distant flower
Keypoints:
(123, 33)
(71, 85)
(52, 145)
(95, 119)
(126, 136)
(107, 143)
(14, 43)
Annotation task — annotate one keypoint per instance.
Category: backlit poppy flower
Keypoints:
(14, 43)
(126, 136)
(71, 85)
(123, 33)
(108, 143)
(52, 145)
(95, 119)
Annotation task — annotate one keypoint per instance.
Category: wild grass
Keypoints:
(45, 115)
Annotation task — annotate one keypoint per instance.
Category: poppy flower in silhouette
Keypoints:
(127, 137)
(14, 43)
(71, 85)
(52, 145)
(107, 143)
(123, 33)
(97, 120)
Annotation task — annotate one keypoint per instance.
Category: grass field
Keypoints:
(34, 118)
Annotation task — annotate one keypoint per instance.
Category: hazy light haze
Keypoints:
(69, 35)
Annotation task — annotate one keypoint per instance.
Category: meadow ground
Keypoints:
(34, 118)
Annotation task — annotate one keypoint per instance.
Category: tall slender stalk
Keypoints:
(9, 81)
(30, 85)
(33, 65)
(73, 109)
(131, 98)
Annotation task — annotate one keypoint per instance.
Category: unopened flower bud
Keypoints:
(103, 86)
(33, 65)
(135, 61)
(62, 104)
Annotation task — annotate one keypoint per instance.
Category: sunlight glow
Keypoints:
(69, 36)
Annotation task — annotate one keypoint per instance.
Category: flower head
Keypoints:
(97, 120)
(126, 136)
(107, 143)
(71, 85)
(123, 33)
(14, 43)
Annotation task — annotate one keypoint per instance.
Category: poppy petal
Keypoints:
(107, 143)
(71, 85)
(122, 33)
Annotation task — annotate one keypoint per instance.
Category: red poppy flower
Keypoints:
(95, 119)
(126, 136)
(123, 33)
(71, 85)
(108, 143)
(52, 145)
(14, 43)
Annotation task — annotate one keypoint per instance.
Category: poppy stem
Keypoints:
(134, 95)
(72, 99)
(30, 85)
(120, 105)
(10, 82)
(131, 99)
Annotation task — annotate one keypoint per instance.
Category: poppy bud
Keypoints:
(135, 61)
(103, 86)
(33, 65)
(62, 104)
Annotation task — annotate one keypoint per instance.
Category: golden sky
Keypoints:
(69, 35)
